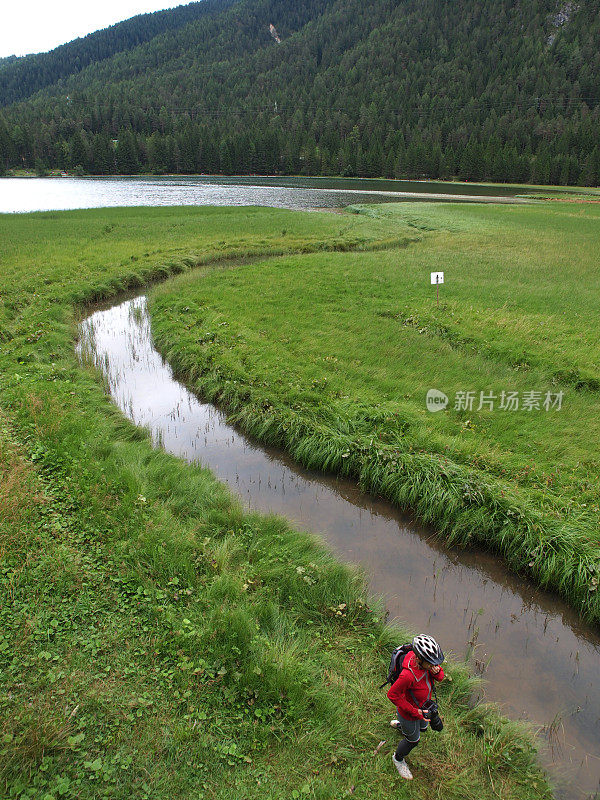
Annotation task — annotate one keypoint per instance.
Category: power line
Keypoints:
(279, 107)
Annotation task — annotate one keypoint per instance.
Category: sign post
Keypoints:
(437, 278)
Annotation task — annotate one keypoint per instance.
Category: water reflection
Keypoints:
(56, 194)
(540, 661)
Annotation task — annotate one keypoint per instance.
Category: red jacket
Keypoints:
(412, 680)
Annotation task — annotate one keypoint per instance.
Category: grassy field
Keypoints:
(331, 356)
(156, 641)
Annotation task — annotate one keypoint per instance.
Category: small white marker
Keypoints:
(437, 278)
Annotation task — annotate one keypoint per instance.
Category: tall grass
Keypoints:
(462, 504)
(155, 640)
(161, 642)
(334, 360)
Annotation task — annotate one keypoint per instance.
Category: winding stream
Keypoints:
(540, 662)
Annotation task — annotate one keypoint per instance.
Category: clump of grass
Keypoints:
(212, 634)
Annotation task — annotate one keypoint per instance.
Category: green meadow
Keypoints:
(155, 640)
(331, 356)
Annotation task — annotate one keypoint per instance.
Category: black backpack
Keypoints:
(396, 663)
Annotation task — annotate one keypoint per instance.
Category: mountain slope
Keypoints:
(22, 77)
(505, 90)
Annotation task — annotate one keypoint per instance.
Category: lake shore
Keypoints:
(424, 181)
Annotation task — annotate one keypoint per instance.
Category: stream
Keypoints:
(540, 662)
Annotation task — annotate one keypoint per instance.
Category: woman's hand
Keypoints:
(435, 669)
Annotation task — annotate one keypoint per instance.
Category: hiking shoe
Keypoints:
(395, 723)
(402, 768)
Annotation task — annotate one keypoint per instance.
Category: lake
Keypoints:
(58, 194)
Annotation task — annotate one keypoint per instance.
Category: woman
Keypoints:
(414, 686)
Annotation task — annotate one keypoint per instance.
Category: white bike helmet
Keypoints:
(427, 649)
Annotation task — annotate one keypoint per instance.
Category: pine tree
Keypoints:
(126, 153)
(472, 163)
(542, 166)
(590, 174)
(103, 155)
(78, 152)
(6, 149)
(374, 159)
(361, 164)
(225, 161)
(187, 142)
(157, 157)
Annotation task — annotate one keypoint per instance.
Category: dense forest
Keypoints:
(30, 74)
(506, 90)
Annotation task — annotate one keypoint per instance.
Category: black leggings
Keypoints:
(404, 749)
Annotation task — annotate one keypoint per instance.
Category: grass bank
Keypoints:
(156, 641)
(334, 354)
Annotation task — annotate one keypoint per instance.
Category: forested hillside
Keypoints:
(20, 78)
(504, 90)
